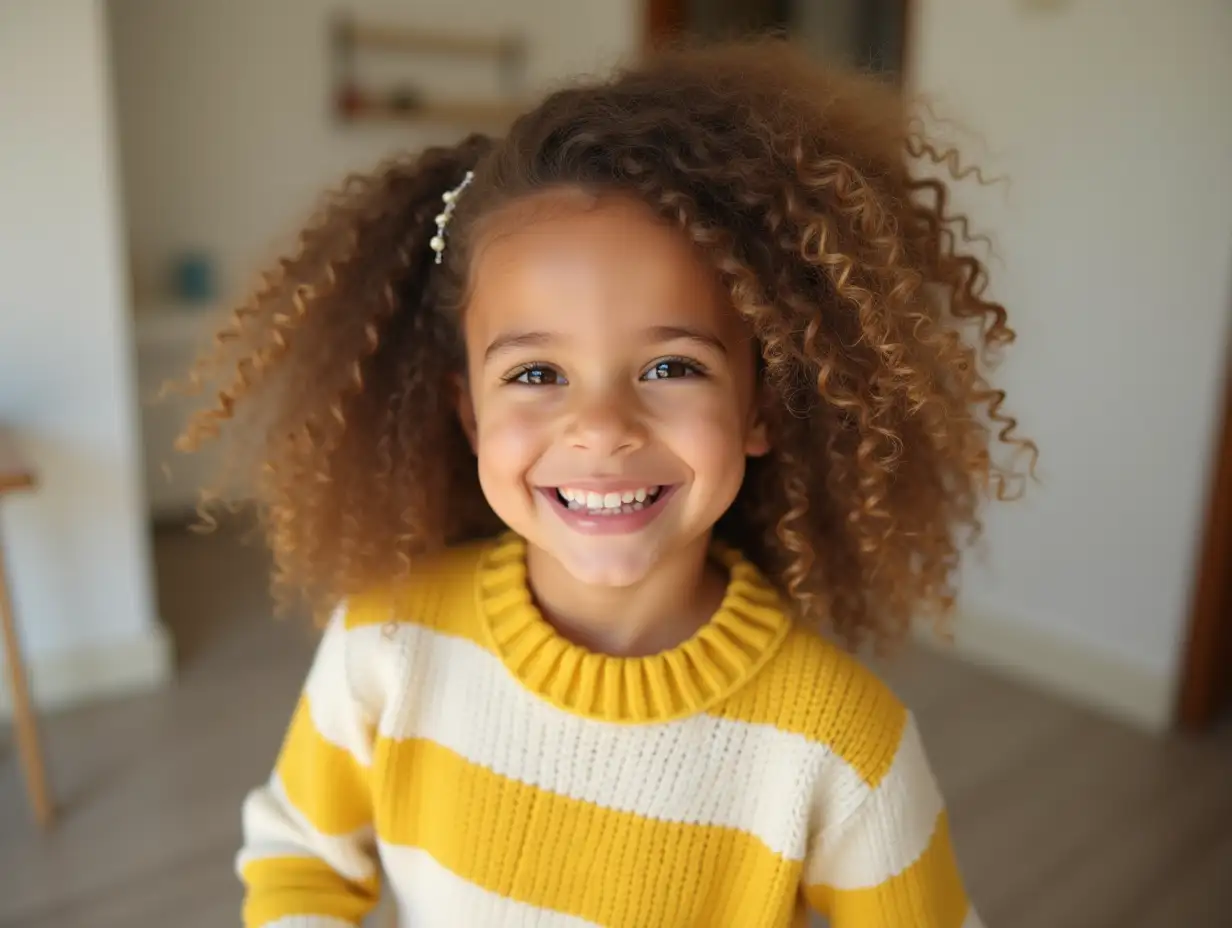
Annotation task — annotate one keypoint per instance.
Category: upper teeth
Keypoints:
(593, 500)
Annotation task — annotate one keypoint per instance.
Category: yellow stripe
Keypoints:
(812, 688)
(324, 782)
(929, 894)
(284, 886)
(571, 856)
(441, 597)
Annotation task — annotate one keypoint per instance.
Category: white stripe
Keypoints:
(273, 827)
(972, 920)
(430, 896)
(308, 921)
(336, 715)
(890, 830)
(701, 770)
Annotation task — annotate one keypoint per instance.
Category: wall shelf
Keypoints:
(407, 39)
(357, 103)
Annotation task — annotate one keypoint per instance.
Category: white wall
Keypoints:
(1115, 238)
(77, 549)
(225, 107)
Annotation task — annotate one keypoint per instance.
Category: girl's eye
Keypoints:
(673, 368)
(537, 375)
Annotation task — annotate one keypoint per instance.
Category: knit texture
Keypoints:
(451, 742)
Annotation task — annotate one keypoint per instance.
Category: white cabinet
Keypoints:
(168, 341)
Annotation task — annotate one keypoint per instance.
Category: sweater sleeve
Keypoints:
(889, 863)
(308, 858)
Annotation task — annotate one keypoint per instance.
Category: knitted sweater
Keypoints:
(449, 739)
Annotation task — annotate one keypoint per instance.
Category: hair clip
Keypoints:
(450, 199)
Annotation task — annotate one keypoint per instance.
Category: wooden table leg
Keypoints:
(28, 745)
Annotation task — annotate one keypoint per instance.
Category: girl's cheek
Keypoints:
(510, 436)
(708, 424)
(703, 429)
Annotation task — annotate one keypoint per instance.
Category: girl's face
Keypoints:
(611, 388)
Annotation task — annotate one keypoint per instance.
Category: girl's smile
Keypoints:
(608, 509)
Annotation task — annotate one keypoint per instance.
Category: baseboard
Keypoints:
(62, 679)
(1059, 666)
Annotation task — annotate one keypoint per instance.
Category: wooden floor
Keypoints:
(1062, 819)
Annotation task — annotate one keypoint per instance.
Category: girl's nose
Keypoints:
(607, 424)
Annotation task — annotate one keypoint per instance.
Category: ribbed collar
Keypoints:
(720, 657)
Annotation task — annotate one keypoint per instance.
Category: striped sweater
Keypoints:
(451, 742)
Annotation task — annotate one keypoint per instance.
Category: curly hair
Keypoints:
(795, 184)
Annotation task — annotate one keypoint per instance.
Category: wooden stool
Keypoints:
(16, 476)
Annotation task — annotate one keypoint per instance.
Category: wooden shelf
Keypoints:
(176, 327)
(401, 38)
(356, 103)
(459, 112)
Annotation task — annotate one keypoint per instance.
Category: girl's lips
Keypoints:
(587, 523)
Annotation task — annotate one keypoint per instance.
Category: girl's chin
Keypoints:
(600, 563)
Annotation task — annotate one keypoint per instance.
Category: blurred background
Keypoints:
(155, 153)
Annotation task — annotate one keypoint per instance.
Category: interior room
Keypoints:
(157, 155)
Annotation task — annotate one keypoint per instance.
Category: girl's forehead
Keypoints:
(556, 202)
(573, 238)
(576, 259)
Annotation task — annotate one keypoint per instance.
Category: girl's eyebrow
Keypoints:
(507, 341)
(510, 340)
(670, 333)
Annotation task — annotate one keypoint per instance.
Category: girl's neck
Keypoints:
(654, 615)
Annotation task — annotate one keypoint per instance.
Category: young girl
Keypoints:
(580, 436)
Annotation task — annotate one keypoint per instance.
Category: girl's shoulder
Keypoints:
(386, 632)
(816, 688)
(436, 594)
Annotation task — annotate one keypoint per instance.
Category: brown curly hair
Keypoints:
(795, 184)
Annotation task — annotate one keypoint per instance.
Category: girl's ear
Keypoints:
(757, 442)
(757, 437)
(466, 409)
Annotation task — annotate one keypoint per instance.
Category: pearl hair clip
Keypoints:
(450, 199)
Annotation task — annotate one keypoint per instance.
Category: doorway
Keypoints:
(1206, 684)
(867, 34)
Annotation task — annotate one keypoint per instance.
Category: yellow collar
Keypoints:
(720, 657)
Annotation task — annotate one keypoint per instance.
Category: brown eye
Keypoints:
(538, 375)
(672, 369)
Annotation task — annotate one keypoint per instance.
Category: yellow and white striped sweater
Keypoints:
(497, 774)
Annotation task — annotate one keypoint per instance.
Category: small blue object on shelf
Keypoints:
(194, 278)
